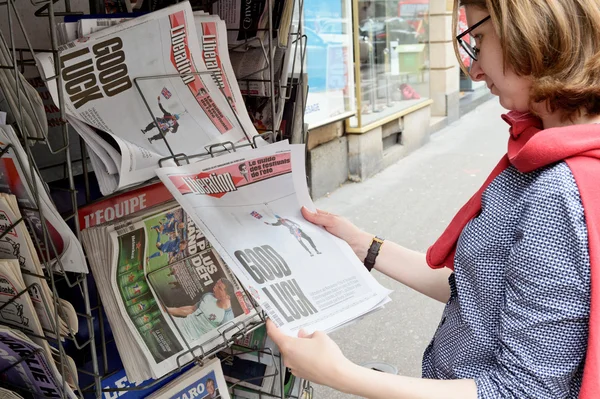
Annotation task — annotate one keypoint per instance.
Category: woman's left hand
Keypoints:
(313, 357)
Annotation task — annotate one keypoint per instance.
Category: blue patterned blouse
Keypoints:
(517, 318)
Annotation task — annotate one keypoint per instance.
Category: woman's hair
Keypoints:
(556, 43)
(236, 308)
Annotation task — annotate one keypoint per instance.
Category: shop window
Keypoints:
(327, 25)
(392, 61)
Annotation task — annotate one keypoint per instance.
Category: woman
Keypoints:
(213, 310)
(515, 265)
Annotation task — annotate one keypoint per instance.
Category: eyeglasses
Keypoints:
(466, 44)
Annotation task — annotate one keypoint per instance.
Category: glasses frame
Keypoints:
(470, 50)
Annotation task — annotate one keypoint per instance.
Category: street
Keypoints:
(411, 203)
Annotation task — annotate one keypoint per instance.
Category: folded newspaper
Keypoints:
(166, 291)
(62, 249)
(16, 244)
(148, 88)
(248, 204)
(6, 394)
(200, 382)
(26, 364)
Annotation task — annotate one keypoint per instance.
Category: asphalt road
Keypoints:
(411, 203)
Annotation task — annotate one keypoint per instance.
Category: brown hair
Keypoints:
(556, 43)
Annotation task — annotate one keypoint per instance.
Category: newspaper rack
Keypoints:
(55, 273)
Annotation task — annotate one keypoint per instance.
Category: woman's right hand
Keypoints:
(359, 240)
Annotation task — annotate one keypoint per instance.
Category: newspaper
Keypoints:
(165, 288)
(16, 244)
(248, 204)
(15, 175)
(6, 394)
(18, 312)
(137, 63)
(37, 373)
(246, 21)
(19, 98)
(200, 382)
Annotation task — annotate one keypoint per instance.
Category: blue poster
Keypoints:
(324, 25)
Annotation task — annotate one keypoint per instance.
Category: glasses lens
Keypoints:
(468, 48)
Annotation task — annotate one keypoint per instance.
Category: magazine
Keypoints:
(37, 373)
(64, 250)
(205, 382)
(165, 288)
(248, 204)
(180, 96)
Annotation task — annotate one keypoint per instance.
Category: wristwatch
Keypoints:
(373, 252)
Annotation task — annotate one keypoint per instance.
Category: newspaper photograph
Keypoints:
(248, 205)
(205, 382)
(102, 72)
(172, 286)
(37, 373)
(14, 173)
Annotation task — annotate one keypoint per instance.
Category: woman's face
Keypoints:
(513, 90)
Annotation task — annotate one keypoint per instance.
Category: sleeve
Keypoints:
(228, 316)
(543, 326)
(164, 111)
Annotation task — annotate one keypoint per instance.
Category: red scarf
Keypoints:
(530, 148)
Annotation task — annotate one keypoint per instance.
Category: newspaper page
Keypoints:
(14, 177)
(246, 20)
(173, 288)
(108, 74)
(37, 373)
(200, 382)
(248, 205)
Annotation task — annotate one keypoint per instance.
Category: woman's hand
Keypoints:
(314, 357)
(340, 227)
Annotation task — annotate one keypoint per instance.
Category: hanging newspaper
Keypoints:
(33, 368)
(173, 289)
(63, 249)
(149, 87)
(248, 205)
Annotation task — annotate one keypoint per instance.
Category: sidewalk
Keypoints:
(411, 203)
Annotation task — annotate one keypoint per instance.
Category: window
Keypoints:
(329, 61)
(392, 64)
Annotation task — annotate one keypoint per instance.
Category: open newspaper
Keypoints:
(62, 247)
(205, 382)
(248, 204)
(165, 288)
(148, 88)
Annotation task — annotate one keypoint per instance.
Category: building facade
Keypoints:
(382, 77)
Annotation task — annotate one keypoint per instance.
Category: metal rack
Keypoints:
(55, 275)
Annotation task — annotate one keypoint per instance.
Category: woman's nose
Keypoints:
(476, 72)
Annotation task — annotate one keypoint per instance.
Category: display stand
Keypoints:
(95, 345)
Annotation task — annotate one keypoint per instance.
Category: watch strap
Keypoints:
(374, 249)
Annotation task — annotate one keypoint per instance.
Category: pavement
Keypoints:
(411, 203)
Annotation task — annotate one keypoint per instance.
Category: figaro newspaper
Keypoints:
(248, 205)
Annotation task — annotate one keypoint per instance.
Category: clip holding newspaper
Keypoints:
(248, 205)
